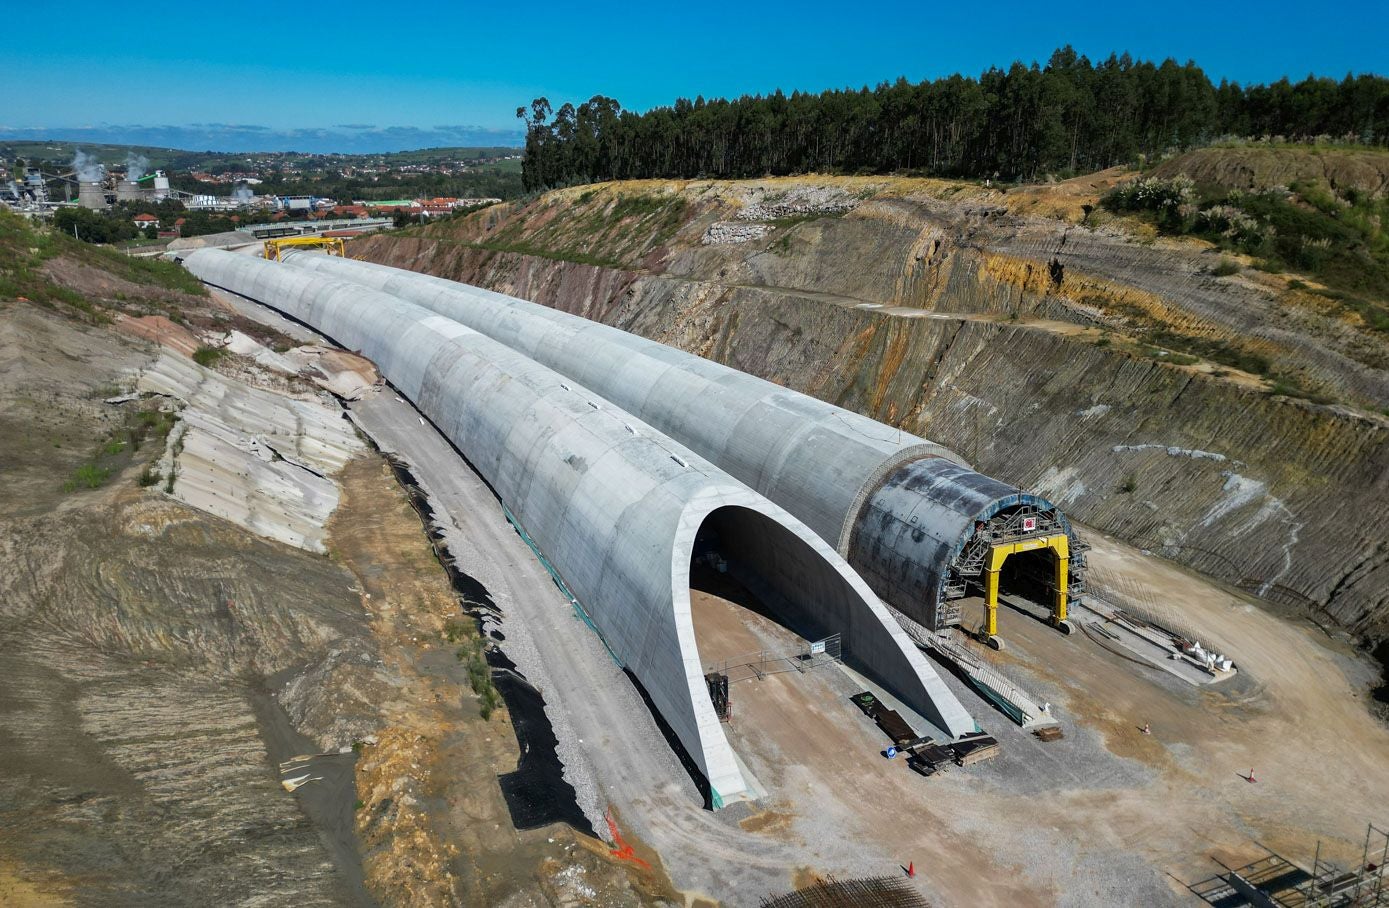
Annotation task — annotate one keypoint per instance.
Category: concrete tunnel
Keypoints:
(918, 523)
(614, 505)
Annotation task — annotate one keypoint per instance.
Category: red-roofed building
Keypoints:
(144, 221)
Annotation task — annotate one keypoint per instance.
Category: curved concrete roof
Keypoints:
(813, 458)
(612, 503)
(855, 481)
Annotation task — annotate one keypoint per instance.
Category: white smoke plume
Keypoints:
(242, 194)
(88, 168)
(136, 166)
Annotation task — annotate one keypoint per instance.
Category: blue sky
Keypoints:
(347, 63)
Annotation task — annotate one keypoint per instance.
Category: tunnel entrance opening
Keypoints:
(753, 605)
(1030, 576)
(772, 599)
(753, 561)
(762, 603)
(1031, 569)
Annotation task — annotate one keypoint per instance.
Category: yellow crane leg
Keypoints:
(1058, 606)
(991, 603)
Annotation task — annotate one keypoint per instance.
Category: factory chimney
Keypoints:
(91, 176)
(91, 195)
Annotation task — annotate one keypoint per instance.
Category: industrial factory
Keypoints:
(89, 184)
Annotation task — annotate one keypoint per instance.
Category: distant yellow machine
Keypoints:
(333, 245)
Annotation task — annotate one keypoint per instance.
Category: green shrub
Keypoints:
(474, 658)
(87, 476)
(1287, 386)
(207, 356)
(1169, 202)
(149, 476)
(454, 631)
(1226, 268)
(176, 449)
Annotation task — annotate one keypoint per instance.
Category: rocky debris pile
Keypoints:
(338, 372)
(808, 201)
(790, 209)
(748, 223)
(342, 374)
(726, 233)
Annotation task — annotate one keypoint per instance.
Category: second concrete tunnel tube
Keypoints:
(903, 511)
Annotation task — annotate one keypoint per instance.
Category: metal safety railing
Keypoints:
(746, 666)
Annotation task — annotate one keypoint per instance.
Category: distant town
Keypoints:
(128, 196)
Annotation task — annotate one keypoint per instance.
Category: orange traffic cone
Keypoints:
(911, 868)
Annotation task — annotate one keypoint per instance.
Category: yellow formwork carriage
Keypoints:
(1060, 546)
(333, 245)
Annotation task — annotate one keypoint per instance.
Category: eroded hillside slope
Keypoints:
(232, 666)
(1233, 422)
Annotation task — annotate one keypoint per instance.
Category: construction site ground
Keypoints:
(1107, 815)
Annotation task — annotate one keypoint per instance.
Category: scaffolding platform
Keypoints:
(1275, 882)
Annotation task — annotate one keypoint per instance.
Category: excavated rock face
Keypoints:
(136, 637)
(1017, 341)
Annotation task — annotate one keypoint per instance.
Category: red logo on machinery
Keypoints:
(1029, 524)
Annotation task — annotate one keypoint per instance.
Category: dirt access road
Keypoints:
(1108, 815)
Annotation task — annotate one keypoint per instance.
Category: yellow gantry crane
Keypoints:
(1060, 546)
(333, 245)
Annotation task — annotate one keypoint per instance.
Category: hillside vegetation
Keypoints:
(27, 251)
(1328, 221)
(1070, 116)
(1259, 167)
